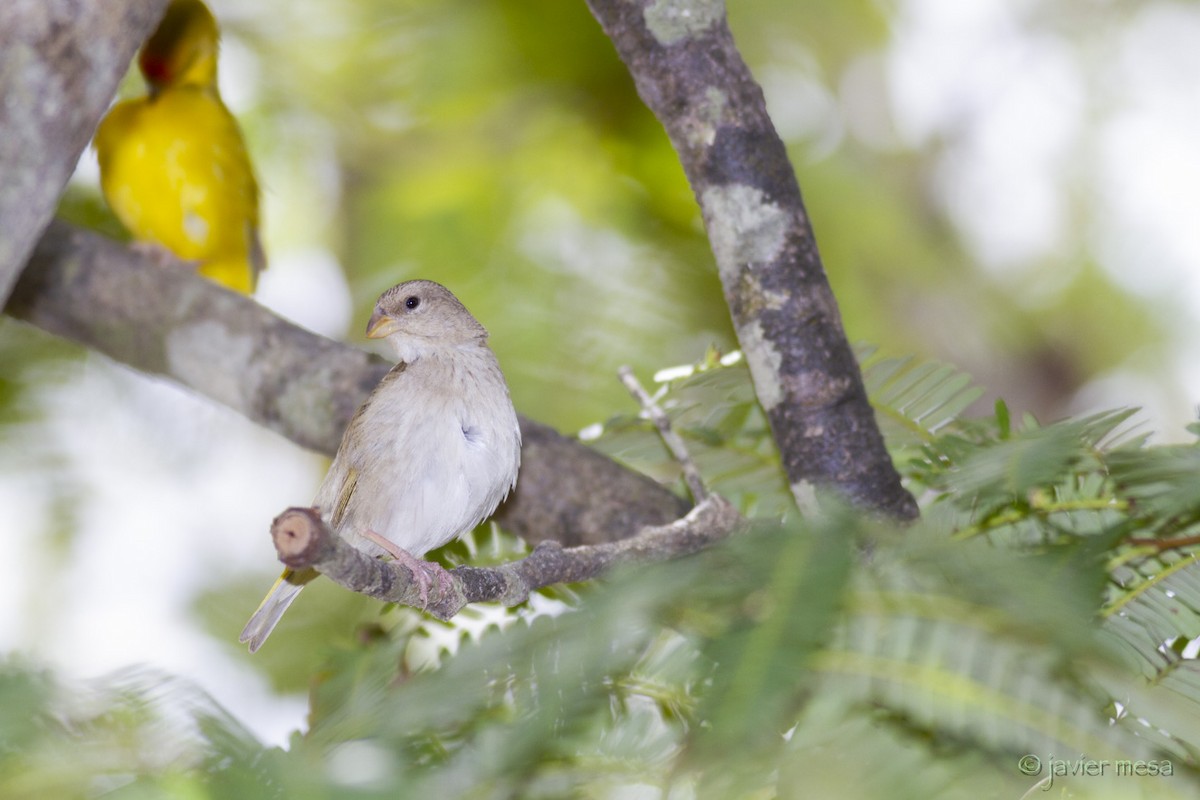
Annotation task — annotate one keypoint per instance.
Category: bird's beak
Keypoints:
(380, 325)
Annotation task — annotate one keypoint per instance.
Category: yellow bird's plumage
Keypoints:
(173, 164)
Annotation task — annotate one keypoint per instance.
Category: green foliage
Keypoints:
(29, 359)
(128, 735)
(500, 147)
(1043, 607)
(713, 407)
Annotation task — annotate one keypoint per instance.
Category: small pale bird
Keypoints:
(173, 164)
(429, 454)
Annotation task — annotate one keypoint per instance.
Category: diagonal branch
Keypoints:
(689, 72)
(61, 62)
(303, 540)
(170, 322)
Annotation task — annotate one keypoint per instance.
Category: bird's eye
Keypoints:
(412, 302)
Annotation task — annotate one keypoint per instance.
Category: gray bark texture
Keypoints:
(165, 320)
(303, 540)
(60, 63)
(688, 70)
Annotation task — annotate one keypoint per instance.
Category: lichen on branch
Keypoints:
(61, 64)
(689, 72)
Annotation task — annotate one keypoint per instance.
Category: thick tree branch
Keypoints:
(169, 322)
(61, 62)
(689, 72)
(302, 540)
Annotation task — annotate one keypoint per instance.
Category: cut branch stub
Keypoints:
(298, 538)
(303, 540)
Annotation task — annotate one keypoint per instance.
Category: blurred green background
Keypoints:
(958, 167)
(1009, 186)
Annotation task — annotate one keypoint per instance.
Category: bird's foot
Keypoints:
(425, 573)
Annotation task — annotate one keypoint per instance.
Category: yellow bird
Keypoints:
(173, 165)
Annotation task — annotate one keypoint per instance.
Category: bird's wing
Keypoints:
(338, 512)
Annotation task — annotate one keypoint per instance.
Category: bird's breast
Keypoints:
(436, 459)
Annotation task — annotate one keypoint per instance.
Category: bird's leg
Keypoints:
(425, 573)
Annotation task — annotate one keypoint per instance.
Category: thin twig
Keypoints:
(1165, 544)
(674, 443)
(303, 540)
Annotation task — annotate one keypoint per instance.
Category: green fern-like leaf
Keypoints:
(986, 653)
(1152, 604)
(974, 643)
(914, 399)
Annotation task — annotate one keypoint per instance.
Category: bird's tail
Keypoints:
(273, 605)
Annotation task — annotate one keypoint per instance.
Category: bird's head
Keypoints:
(183, 49)
(422, 317)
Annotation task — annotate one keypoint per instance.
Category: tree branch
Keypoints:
(689, 72)
(62, 61)
(169, 322)
(93, 291)
(671, 439)
(302, 540)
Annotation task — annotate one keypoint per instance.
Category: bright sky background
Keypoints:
(1013, 103)
(1041, 137)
